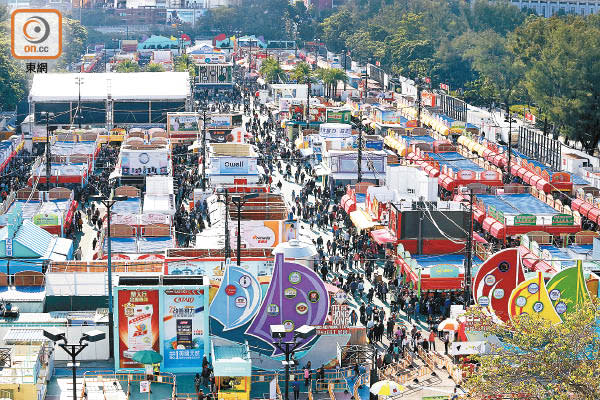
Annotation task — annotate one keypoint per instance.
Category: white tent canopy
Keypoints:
(94, 87)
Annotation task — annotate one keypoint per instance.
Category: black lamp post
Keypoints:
(109, 203)
(48, 116)
(278, 332)
(239, 202)
(203, 144)
(74, 349)
(223, 192)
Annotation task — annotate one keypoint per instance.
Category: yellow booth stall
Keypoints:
(233, 370)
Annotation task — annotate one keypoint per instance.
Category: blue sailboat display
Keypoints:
(237, 299)
(296, 296)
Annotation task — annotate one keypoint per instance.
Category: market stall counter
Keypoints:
(233, 370)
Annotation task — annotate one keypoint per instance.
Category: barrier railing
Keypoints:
(361, 380)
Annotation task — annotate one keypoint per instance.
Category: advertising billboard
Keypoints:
(138, 324)
(237, 165)
(219, 121)
(259, 234)
(214, 268)
(338, 116)
(145, 162)
(183, 124)
(185, 328)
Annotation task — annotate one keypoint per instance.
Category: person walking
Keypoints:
(296, 390)
(432, 340)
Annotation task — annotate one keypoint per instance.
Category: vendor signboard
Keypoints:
(183, 125)
(562, 219)
(338, 116)
(525, 219)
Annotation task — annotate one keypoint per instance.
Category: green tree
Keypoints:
(541, 359)
(336, 29)
(155, 67)
(493, 60)
(74, 43)
(12, 75)
(564, 81)
(128, 66)
(185, 63)
(301, 73)
(271, 69)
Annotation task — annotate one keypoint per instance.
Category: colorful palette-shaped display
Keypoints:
(296, 296)
(495, 281)
(567, 288)
(237, 299)
(531, 298)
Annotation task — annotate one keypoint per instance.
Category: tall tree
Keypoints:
(493, 60)
(271, 69)
(542, 360)
(12, 74)
(74, 39)
(565, 81)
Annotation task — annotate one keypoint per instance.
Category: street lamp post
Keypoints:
(109, 203)
(74, 349)
(79, 80)
(203, 144)
(222, 191)
(239, 202)
(278, 332)
(48, 115)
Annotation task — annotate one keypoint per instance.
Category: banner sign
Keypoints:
(46, 219)
(144, 162)
(185, 327)
(183, 124)
(237, 165)
(338, 116)
(258, 234)
(340, 315)
(214, 268)
(219, 121)
(563, 219)
(138, 319)
(444, 271)
(525, 219)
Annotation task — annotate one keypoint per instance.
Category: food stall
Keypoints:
(233, 370)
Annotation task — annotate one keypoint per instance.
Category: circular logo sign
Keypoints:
(241, 302)
(295, 277)
(313, 296)
(340, 297)
(144, 158)
(538, 306)
(272, 310)
(489, 280)
(554, 294)
(483, 301)
(533, 288)
(230, 290)
(288, 325)
(498, 294)
(503, 266)
(301, 308)
(289, 293)
(561, 307)
(245, 281)
(521, 301)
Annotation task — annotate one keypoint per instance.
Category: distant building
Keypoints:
(548, 8)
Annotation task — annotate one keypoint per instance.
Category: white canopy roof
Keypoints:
(122, 86)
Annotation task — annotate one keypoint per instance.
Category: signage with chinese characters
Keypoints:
(562, 219)
(444, 271)
(9, 247)
(332, 330)
(525, 219)
(340, 315)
